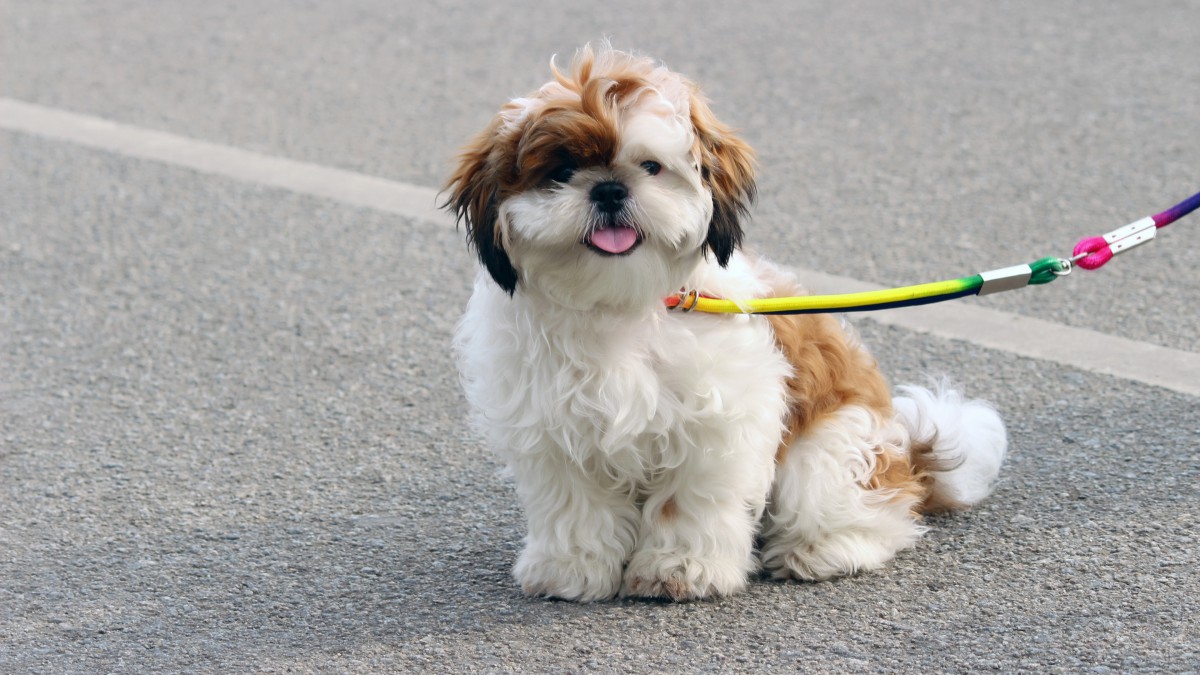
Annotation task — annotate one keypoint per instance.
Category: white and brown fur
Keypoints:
(651, 449)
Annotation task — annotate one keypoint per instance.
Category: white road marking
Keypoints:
(1035, 338)
(221, 160)
(1028, 336)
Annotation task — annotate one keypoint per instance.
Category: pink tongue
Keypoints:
(617, 239)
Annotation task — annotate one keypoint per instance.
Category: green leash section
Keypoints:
(1005, 279)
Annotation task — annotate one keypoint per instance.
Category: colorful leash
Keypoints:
(1090, 253)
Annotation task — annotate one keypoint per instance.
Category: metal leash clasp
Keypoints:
(1093, 252)
(686, 301)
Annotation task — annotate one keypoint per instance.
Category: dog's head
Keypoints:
(605, 186)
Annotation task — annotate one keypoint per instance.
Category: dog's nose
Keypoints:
(609, 196)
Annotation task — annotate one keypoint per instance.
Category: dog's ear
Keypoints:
(727, 165)
(474, 199)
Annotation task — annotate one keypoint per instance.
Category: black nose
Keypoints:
(609, 196)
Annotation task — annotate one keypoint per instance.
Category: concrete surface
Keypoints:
(231, 436)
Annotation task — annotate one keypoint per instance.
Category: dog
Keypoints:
(667, 454)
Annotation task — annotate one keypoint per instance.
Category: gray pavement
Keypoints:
(231, 437)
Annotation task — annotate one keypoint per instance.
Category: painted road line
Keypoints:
(222, 160)
(1004, 331)
(1028, 336)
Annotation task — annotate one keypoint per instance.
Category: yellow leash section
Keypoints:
(1008, 278)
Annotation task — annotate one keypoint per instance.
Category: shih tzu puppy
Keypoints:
(661, 453)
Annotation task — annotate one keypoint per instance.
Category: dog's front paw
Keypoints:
(583, 578)
(682, 578)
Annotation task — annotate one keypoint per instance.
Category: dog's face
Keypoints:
(604, 187)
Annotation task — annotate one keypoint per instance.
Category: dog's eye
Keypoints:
(652, 167)
(562, 173)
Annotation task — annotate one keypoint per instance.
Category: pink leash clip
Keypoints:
(1092, 252)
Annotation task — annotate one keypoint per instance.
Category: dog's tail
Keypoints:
(958, 444)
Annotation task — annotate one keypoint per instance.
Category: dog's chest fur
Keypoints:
(625, 399)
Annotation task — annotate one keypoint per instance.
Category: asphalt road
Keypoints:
(231, 436)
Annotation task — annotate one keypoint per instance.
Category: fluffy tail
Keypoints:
(958, 443)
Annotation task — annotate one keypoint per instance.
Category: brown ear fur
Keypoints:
(727, 164)
(474, 200)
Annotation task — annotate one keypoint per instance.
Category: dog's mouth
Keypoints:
(613, 240)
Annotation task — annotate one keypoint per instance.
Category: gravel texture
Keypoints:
(231, 435)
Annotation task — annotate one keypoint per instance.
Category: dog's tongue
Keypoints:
(618, 239)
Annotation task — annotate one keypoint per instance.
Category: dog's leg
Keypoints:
(579, 533)
(845, 498)
(698, 528)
